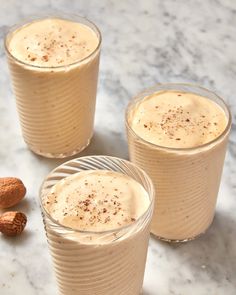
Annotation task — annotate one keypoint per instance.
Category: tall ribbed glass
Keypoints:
(56, 105)
(110, 262)
(186, 179)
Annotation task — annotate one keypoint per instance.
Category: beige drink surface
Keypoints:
(53, 42)
(97, 200)
(54, 69)
(186, 180)
(178, 119)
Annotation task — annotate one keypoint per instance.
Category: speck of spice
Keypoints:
(56, 42)
(174, 121)
(94, 205)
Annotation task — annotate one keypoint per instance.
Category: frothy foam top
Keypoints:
(52, 42)
(97, 200)
(177, 119)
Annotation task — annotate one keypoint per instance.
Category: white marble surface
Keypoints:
(144, 42)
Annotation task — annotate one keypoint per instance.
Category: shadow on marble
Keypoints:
(214, 252)
(20, 240)
(111, 144)
(145, 293)
(24, 206)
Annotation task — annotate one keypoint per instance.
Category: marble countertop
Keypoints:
(144, 42)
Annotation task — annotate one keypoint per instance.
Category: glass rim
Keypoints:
(72, 230)
(58, 15)
(141, 95)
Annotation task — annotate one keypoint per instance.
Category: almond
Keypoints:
(12, 191)
(12, 223)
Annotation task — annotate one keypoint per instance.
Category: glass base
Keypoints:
(180, 240)
(59, 156)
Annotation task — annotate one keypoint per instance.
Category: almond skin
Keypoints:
(12, 223)
(12, 191)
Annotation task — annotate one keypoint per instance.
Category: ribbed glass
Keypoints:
(110, 262)
(186, 179)
(56, 105)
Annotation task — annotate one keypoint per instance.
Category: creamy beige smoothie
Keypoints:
(54, 68)
(179, 138)
(105, 251)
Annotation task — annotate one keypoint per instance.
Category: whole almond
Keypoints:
(12, 223)
(12, 191)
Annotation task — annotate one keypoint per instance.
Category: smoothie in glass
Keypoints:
(97, 212)
(178, 134)
(54, 69)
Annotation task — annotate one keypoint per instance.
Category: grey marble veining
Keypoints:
(144, 42)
